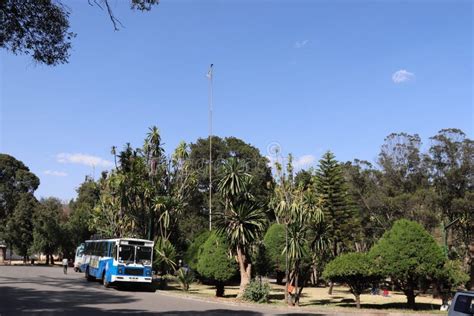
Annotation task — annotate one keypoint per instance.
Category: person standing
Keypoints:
(65, 264)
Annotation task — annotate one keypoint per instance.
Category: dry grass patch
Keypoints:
(318, 297)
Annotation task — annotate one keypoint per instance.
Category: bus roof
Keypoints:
(118, 239)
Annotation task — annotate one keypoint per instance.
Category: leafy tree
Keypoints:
(409, 255)
(79, 220)
(215, 264)
(15, 181)
(353, 269)
(19, 229)
(47, 229)
(41, 28)
(452, 167)
(274, 241)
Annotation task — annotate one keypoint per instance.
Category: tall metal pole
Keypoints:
(209, 76)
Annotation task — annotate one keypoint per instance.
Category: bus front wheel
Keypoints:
(104, 281)
(88, 276)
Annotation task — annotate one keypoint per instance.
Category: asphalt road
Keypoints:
(39, 290)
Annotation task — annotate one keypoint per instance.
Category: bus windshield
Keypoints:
(80, 251)
(126, 254)
(144, 255)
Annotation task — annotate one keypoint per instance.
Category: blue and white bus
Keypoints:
(118, 260)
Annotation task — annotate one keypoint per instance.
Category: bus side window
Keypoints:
(114, 254)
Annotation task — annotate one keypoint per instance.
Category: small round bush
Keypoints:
(214, 262)
(353, 269)
(257, 291)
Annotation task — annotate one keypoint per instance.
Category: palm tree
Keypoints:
(243, 225)
(243, 221)
(235, 181)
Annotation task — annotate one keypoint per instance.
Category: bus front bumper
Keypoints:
(129, 278)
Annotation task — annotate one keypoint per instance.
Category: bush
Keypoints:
(257, 291)
(353, 269)
(274, 242)
(185, 278)
(192, 254)
(449, 278)
(409, 255)
(214, 262)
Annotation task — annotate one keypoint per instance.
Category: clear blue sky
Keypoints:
(310, 75)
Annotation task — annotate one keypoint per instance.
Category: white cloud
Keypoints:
(55, 173)
(402, 75)
(301, 44)
(83, 159)
(304, 161)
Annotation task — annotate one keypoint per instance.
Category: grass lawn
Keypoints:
(318, 298)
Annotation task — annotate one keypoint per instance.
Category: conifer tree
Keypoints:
(334, 202)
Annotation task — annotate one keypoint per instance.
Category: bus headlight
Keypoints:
(120, 270)
(147, 272)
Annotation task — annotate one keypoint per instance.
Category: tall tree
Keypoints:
(452, 167)
(16, 179)
(19, 228)
(46, 228)
(223, 148)
(80, 217)
(338, 212)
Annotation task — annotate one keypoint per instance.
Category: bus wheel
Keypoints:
(88, 276)
(104, 281)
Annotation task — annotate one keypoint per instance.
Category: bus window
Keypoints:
(144, 255)
(126, 254)
(114, 253)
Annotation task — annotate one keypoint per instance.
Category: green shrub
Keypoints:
(214, 262)
(192, 254)
(353, 269)
(409, 255)
(257, 291)
(185, 278)
(274, 242)
(449, 278)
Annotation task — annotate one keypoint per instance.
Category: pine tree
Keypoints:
(334, 201)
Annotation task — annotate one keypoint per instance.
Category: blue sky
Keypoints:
(308, 75)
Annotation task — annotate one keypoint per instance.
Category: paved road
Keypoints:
(47, 291)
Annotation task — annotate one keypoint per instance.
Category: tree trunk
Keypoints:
(410, 293)
(220, 289)
(331, 285)
(279, 277)
(357, 297)
(52, 259)
(245, 272)
(47, 259)
(297, 303)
